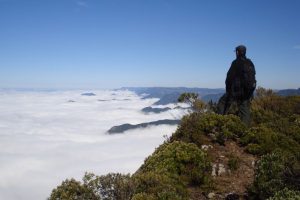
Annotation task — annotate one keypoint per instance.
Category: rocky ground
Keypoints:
(232, 171)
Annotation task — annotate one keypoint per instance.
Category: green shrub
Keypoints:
(195, 125)
(288, 126)
(107, 187)
(196, 104)
(189, 131)
(179, 159)
(143, 196)
(269, 175)
(269, 101)
(168, 172)
(268, 107)
(158, 186)
(72, 189)
(286, 194)
(254, 149)
(110, 186)
(292, 173)
(260, 140)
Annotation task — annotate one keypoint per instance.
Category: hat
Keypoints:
(241, 48)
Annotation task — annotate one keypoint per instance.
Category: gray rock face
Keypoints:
(206, 147)
(211, 195)
(218, 169)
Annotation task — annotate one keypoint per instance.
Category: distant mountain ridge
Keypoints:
(158, 92)
(125, 127)
(169, 95)
(149, 109)
(289, 92)
(88, 94)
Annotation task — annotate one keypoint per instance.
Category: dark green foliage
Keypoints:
(275, 124)
(286, 194)
(280, 114)
(260, 140)
(108, 187)
(275, 171)
(72, 189)
(171, 168)
(212, 106)
(267, 107)
(254, 149)
(188, 97)
(179, 160)
(291, 175)
(288, 126)
(154, 185)
(275, 134)
(143, 196)
(269, 173)
(192, 99)
(188, 130)
(111, 186)
(195, 125)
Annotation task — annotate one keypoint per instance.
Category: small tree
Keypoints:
(192, 99)
(263, 92)
(72, 189)
(110, 186)
(189, 98)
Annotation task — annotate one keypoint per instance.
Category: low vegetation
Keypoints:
(286, 194)
(72, 189)
(194, 126)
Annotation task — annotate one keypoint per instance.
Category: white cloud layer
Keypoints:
(45, 139)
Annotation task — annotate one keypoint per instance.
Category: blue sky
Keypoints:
(115, 43)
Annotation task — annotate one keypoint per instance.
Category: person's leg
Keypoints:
(223, 104)
(244, 111)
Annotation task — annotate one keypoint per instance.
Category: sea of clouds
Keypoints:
(49, 136)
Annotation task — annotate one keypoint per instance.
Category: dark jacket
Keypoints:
(240, 80)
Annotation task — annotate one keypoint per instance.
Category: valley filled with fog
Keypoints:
(49, 136)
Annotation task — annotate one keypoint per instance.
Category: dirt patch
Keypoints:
(232, 171)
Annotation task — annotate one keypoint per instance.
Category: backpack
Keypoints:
(248, 78)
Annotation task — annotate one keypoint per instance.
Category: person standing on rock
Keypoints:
(240, 85)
